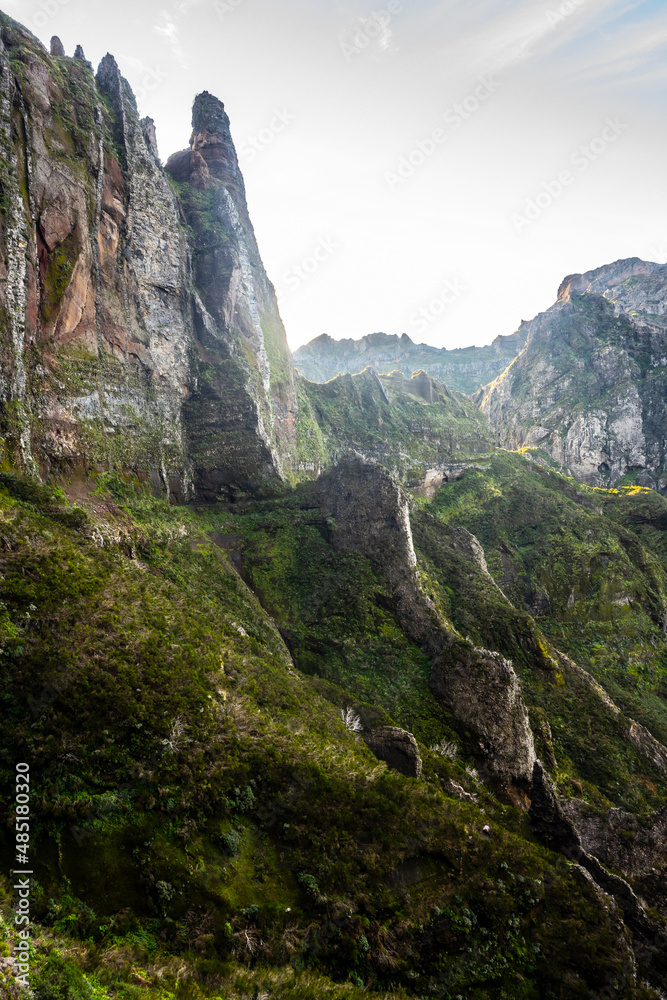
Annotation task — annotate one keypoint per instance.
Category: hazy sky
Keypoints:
(433, 167)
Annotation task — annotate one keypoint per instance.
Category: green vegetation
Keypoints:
(207, 229)
(407, 425)
(563, 556)
(58, 273)
(199, 803)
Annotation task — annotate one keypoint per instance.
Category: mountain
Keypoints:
(321, 692)
(589, 386)
(141, 329)
(463, 369)
(413, 427)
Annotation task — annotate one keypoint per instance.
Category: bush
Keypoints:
(232, 841)
(60, 979)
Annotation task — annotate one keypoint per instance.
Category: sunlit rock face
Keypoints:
(589, 386)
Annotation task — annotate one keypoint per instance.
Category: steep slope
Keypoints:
(221, 825)
(589, 386)
(462, 369)
(117, 351)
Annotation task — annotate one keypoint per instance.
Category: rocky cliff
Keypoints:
(589, 386)
(243, 414)
(140, 330)
(462, 369)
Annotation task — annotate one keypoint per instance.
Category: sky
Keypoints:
(429, 167)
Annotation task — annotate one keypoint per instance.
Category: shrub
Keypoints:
(60, 979)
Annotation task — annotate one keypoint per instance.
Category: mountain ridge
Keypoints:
(463, 369)
(588, 387)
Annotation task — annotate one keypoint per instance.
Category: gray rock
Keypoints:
(57, 47)
(371, 516)
(483, 691)
(244, 415)
(397, 748)
(619, 839)
(557, 830)
(464, 369)
(150, 136)
(589, 385)
(81, 56)
(172, 376)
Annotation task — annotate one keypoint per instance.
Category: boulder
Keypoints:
(397, 748)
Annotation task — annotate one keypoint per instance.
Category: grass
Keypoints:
(191, 782)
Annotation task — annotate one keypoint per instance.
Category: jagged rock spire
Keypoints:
(211, 152)
(209, 116)
(81, 56)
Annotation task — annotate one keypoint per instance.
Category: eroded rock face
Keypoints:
(129, 345)
(482, 689)
(565, 827)
(635, 287)
(244, 409)
(371, 516)
(589, 385)
(397, 748)
(620, 841)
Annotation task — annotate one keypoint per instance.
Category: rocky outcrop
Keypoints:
(242, 415)
(397, 748)
(132, 341)
(483, 691)
(588, 387)
(462, 369)
(637, 848)
(371, 517)
(556, 828)
(636, 288)
(417, 429)
(619, 839)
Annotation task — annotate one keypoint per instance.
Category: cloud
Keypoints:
(627, 54)
(167, 27)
